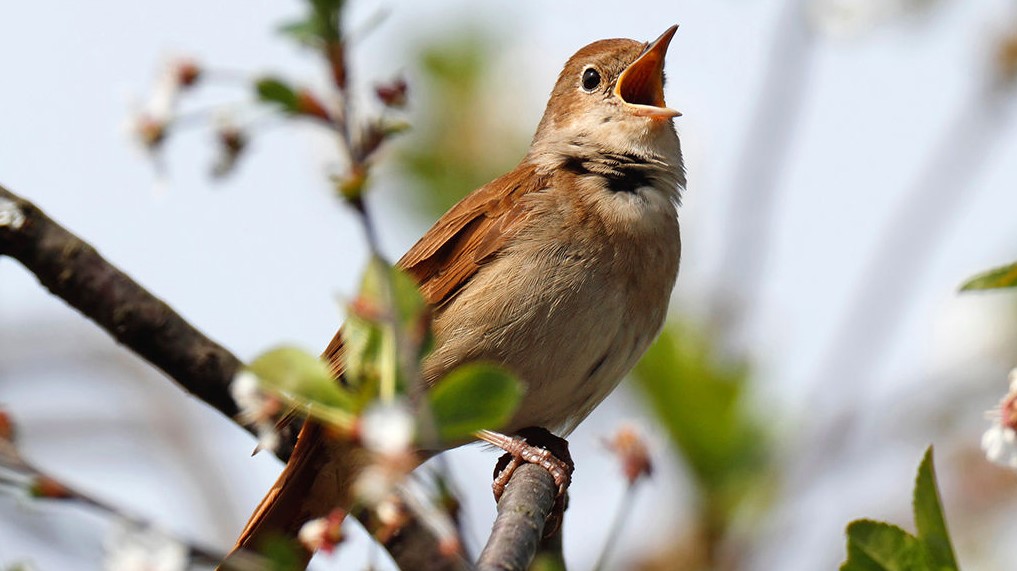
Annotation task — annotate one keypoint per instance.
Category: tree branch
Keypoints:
(73, 270)
(522, 512)
(415, 547)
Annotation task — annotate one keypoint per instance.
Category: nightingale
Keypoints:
(560, 270)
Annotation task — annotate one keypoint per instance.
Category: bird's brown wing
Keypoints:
(320, 471)
(472, 231)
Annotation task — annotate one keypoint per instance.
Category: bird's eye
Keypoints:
(591, 79)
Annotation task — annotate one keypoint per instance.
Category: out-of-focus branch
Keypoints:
(415, 547)
(74, 271)
(550, 555)
(905, 248)
(522, 511)
(19, 474)
(764, 152)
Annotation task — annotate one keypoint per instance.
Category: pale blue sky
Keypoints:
(266, 253)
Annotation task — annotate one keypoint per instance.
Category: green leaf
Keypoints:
(473, 397)
(1002, 277)
(328, 14)
(701, 400)
(440, 156)
(307, 31)
(363, 344)
(274, 91)
(388, 298)
(321, 25)
(328, 6)
(279, 553)
(878, 546)
(295, 372)
(929, 516)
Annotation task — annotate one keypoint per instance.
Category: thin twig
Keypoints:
(617, 526)
(17, 473)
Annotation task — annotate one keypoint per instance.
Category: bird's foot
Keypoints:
(534, 445)
(531, 446)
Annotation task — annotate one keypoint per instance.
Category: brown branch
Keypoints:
(415, 547)
(74, 271)
(522, 512)
(550, 554)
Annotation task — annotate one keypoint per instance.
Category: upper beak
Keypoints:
(641, 85)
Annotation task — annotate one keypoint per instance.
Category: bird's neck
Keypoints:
(625, 163)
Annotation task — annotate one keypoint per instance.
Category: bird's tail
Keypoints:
(318, 478)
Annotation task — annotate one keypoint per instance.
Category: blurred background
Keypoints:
(850, 163)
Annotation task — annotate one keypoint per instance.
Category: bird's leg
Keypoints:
(534, 446)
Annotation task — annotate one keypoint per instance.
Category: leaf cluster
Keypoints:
(878, 546)
(701, 399)
(386, 336)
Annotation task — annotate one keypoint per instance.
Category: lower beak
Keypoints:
(641, 85)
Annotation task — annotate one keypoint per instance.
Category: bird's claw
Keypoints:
(551, 454)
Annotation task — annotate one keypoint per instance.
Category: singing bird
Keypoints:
(560, 270)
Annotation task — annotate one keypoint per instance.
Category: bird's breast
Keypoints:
(568, 305)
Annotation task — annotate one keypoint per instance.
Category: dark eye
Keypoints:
(591, 79)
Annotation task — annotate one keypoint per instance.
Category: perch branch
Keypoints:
(522, 511)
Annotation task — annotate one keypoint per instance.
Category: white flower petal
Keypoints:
(374, 485)
(312, 533)
(268, 436)
(388, 428)
(1000, 445)
(130, 548)
(244, 389)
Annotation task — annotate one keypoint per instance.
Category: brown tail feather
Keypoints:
(318, 478)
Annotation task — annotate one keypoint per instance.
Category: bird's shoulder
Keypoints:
(458, 244)
(471, 232)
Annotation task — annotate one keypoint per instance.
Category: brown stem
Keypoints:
(75, 272)
(522, 511)
(415, 547)
(18, 472)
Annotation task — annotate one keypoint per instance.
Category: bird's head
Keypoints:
(610, 95)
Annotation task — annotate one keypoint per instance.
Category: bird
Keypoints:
(561, 270)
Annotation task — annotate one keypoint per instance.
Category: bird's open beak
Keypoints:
(641, 85)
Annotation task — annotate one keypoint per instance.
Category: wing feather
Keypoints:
(472, 231)
(452, 251)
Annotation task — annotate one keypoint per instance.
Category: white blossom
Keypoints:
(388, 428)
(256, 408)
(10, 214)
(1000, 445)
(131, 548)
(1000, 441)
(245, 391)
(376, 483)
(323, 533)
